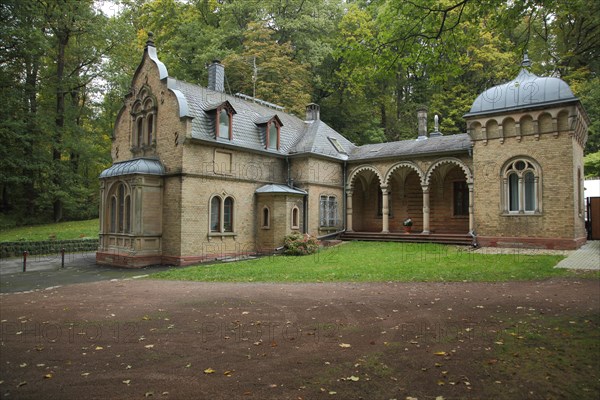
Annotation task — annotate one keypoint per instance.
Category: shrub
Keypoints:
(298, 244)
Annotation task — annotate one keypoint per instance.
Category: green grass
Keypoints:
(380, 262)
(59, 231)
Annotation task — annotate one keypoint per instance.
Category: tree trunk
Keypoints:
(63, 40)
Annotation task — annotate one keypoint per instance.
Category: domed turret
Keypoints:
(527, 90)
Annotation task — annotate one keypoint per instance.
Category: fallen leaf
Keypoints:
(439, 398)
(85, 374)
(209, 371)
(227, 373)
(332, 392)
(99, 348)
(23, 365)
(48, 376)
(354, 378)
(345, 345)
(22, 384)
(149, 394)
(127, 382)
(440, 353)
(149, 346)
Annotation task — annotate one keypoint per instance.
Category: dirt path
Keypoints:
(162, 339)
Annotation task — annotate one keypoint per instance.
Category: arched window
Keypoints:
(266, 218)
(295, 218)
(215, 214)
(120, 210)
(221, 214)
(522, 187)
(143, 112)
(140, 132)
(150, 129)
(228, 215)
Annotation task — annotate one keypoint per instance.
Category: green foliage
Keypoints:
(58, 231)
(298, 244)
(380, 262)
(592, 165)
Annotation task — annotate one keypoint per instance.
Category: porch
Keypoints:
(414, 237)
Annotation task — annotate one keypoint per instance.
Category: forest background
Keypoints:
(66, 65)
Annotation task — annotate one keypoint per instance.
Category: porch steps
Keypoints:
(443, 238)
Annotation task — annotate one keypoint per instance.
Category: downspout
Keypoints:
(344, 200)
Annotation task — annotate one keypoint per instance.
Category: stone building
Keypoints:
(199, 174)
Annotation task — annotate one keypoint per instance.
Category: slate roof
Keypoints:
(296, 135)
(146, 166)
(282, 189)
(526, 90)
(410, 148)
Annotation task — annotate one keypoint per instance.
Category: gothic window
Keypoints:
(120, 210)
(221, 214)
(143, 112)
(328, 211)
(215, 214)
(522, 187)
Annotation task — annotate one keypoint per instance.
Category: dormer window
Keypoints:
(224, 130)
(273, 135)
(222, 116)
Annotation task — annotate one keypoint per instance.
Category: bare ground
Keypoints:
(182, 340)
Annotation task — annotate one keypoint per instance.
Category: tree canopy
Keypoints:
(65, 66)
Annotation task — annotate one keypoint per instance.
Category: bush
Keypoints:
(298, 244)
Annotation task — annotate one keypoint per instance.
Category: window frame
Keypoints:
(461, 202)
(527, 200)
(266, 218)
(273, 122)
(144, 114)
(119, 209)
(295, 217)
(229, 112)
(221, 222)
(328, 211)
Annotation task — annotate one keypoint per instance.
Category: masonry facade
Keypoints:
(199, 175)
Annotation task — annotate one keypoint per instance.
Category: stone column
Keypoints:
(349, 210)
(425, 209)
(471, 209)
(385, 210)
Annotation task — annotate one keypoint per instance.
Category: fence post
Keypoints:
(25, 260)
(62, 253)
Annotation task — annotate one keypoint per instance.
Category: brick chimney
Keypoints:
(312, 112)
(216, 76)
(422, 120)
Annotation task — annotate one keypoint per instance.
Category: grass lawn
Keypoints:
(60, 231)
(380, 262)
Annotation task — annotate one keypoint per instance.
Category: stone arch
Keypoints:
(563, 120)
(491, 129)
(401, 164)
(448, 160)
(545, 123)
(526, 125)
(509, 127)
(360, 169)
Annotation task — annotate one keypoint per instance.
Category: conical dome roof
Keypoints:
(525, 91)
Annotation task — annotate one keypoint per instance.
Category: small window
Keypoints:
(295, 218)
(328, 211)
(266, 218)
(215, 213)
(337, 145)
(224, 127)
(461, 198)
(273, 136)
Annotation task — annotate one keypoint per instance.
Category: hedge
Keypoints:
(16, 249)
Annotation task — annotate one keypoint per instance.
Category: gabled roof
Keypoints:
(409, 148)
(279, 189)
(315, 140)
(144, 166)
